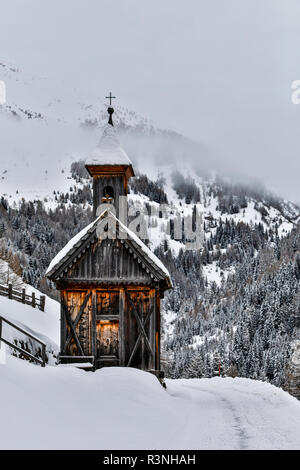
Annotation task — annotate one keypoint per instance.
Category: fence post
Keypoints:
(10, 291)
(42, 303)
(2, 345)
(44, 355)
(33, 299)
(23, 295)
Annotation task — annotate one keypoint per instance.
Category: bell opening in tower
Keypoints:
(108, 195)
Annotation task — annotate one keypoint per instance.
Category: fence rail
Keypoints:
(20, 350)
(21, 296)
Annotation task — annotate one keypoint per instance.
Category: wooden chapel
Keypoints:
(110, 286)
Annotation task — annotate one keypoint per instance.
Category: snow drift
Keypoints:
(124, 408)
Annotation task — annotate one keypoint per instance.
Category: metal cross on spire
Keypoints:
(110, 97)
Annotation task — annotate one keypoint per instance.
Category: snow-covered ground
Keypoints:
(124, 408)
(214, 274)
(64, 407)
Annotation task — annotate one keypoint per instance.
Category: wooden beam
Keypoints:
(153, 327)
(137, 341)
(93, 320)
(157, 352)
(63, 323)
(138, 319)
(99, 284)
(108, 317)
(69, 321)
(122, 327)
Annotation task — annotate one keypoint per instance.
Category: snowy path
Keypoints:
(238, 414)
(219, 417)
(204, 430)
(123, 408)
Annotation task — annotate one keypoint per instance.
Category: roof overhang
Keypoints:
(109, 170)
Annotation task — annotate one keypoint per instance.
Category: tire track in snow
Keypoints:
(238, 426)
(236, 422)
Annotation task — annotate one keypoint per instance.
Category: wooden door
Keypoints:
(107, 328)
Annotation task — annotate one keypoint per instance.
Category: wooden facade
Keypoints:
(110, 289)
(110, 306)
(116, 326)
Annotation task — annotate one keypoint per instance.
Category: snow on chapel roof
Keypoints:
(75, 242)
(109, 150)
(62, 254)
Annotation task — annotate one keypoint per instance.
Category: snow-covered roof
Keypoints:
(75, 242)
(143, 247)
(108, 151)
(62, 254)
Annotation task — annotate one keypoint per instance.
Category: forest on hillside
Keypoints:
(243, 326)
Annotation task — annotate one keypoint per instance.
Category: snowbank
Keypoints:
(123, 408)
(61, 408)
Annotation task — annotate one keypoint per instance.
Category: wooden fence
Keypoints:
(21, 296)
(25, 353)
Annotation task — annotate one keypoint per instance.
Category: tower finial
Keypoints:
(110, 110)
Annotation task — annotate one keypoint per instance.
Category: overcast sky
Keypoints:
(219, 71)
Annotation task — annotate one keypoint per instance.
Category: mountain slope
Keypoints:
(235, 302)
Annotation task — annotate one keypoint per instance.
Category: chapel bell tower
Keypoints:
(110, 287)
(110, 168)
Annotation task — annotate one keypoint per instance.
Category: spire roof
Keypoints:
(109, 150)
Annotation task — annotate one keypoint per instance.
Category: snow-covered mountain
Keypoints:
(236, 301)
(46, 125)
